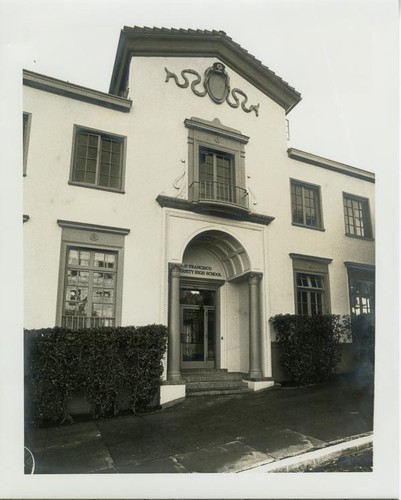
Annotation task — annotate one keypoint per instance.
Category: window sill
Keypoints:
(364, 238)
(100, 188)
(308, 227)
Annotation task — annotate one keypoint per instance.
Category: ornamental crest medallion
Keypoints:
(216, 84)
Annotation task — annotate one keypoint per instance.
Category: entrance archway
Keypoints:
(210, 260)
(226, 249)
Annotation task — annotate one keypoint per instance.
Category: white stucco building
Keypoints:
(175, 199)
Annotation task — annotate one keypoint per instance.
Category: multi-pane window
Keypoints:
(216, 167)
(357, 216)
(361, 288)
(362, 296)
(90, 288)
(216, 176)
(98, 159)
(305, 204)
(310, 289)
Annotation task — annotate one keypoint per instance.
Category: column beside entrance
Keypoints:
(173, 353)
(255, 370)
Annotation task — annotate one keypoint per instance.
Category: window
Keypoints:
(357, 216)
(311, 281)
(98, 159)
(91, 274)
(90, 288)
(310, 294)
(361, 279)
(216, 176)
(305, 204)
(26, 126)
(216, 166)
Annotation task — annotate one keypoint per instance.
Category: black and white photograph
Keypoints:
(200, 242)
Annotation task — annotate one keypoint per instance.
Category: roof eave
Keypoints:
(74, 91)
(335, 166)
(184, 43)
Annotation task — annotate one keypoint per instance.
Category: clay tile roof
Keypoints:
(189, 42)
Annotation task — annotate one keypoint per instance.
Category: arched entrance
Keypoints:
(206, 302)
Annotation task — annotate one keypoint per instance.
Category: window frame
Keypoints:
(215, 153)
(26, 132)
(362, 273)
(311, 265)
(366, 216)
(91, 237)
(78, 129)
(90, 269)
(319, 209)
(309, 290)
(213, 136)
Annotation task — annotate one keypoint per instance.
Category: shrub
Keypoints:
(99, 362)
(363, 337)
(310, 345)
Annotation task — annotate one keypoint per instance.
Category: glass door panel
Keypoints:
(211, 335)
(193, 335)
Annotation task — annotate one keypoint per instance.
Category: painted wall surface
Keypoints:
(156, 163)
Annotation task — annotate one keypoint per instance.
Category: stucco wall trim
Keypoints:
(216, 128)
(320, 260)
(93, 227)
(336, 166)
(357, 265)
(73, 91)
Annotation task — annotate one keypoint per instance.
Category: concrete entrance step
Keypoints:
(217, 392)
(213, 382)
(210, 376)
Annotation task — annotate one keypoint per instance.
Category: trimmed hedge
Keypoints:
(99, 362)
(310, 344)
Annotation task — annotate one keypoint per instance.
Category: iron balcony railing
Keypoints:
(219, 192)
(77, 322)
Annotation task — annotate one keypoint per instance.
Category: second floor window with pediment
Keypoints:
(216, 167)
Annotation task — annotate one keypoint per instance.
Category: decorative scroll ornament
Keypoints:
(180, 183)
(255, 200)
(216, 84)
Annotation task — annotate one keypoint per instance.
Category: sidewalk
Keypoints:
(212, 433)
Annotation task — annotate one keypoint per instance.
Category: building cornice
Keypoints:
(92, 227)
(156, 42)
(73, 91)
(335, 166)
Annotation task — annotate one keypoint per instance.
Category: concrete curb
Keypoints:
(314, 458)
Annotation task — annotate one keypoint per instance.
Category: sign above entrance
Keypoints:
(200, 271)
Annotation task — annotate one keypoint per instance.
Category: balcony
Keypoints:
(77, 322)
(219, 197)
